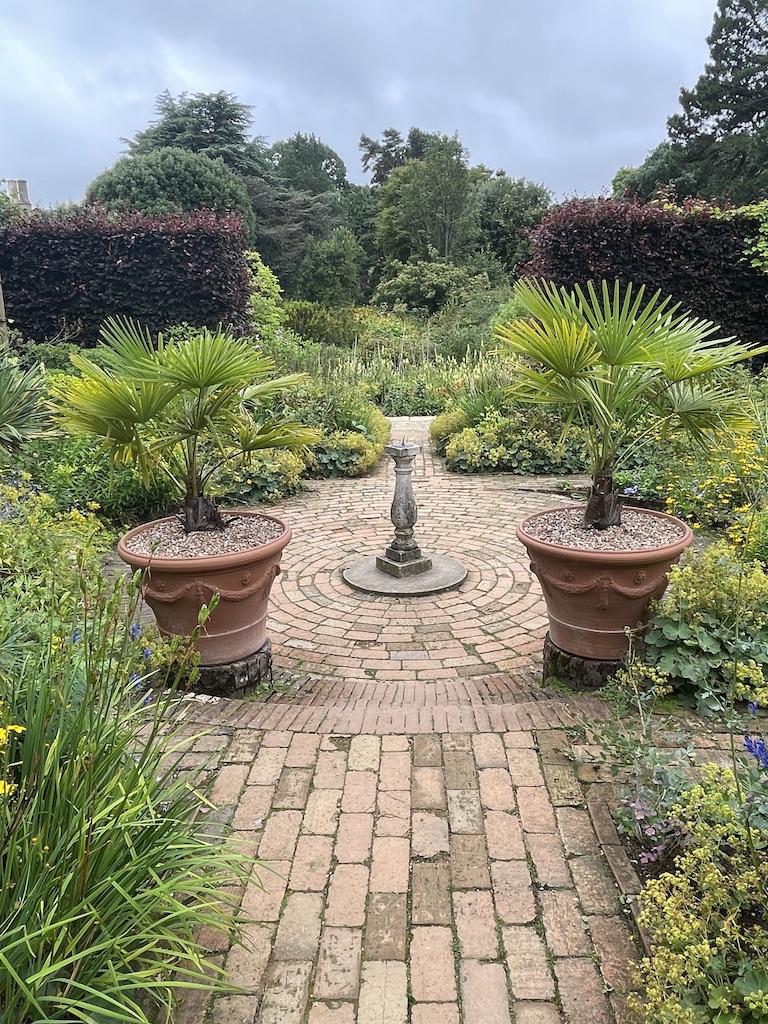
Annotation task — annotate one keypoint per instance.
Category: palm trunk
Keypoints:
(604, 505)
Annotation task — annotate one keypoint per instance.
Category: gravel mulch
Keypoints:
(636, 531)
(168, 540)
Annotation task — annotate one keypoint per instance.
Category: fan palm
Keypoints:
(179, 406)
(22, 411)
(620, 367)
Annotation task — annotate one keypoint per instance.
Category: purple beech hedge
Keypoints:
(71, 271)
(692, 253)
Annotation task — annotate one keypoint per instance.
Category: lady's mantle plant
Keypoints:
(182, 407)
(620, 367)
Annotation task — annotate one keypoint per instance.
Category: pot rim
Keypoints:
(624, 555)
(203, 563)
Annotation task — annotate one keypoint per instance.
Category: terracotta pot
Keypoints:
(593, 596)
(176, 588)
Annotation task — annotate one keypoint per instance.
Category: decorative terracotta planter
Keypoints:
(176, 589)
(593, 596)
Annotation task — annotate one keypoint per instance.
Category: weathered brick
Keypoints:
(489, 750)
(496, 793)
(247, 962)
(469, 862)
(353, 840)
(576, 830)
(253, 807)
(395, 771)
(563, 925)
(536, 1013)
(536, 814)
(581, 992)
(298, 934)
(434, 1013)
(385, 927)
(613, 941)
(431, 958)
(563, 786)
(234, 1010)
(464, 811)
(311, 863)
(524, 767)
(264, 904)
(364, 754)
(280, 833)
(427, 750)
(389, 743)
(346, 896)
(322, 812)
(548, 859)
(359, 792)
(383, 993)
(286, 988)
(332, 1013)
(430, 889)
(504, 836)
(475, 925)
(429, 835)
(594, 884)
(512, 891)
(457, 741)
(529, 972)
(330, 770)
(268, 766)
(484, 993)
(389, 864)
(230, 780)
(338, 965)
(293, 788)
(302, 751)
(459, 770)
(428, 789)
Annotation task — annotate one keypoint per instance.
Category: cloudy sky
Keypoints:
(563, 92)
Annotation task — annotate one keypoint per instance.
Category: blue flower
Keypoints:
(757, 749)
(135, 677)
(753, 706)
(631, 490)
(135, 630)
(147, 654)
(75, 636)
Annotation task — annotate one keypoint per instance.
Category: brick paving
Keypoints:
(425, 848)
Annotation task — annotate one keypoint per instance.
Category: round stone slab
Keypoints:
(446, 574)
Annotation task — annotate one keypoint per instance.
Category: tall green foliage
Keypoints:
(172, 180)
(331, 268)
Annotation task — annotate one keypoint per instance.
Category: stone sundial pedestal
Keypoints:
(404, 568)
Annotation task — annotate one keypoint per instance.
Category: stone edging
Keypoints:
(624, 874)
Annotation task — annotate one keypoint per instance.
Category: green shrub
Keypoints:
(271, 476)
(709, 634)
(77, 474)
(323, 325)
(107, 871)
(443, 427)
(514, 443)
(707, 916)
(344, 454)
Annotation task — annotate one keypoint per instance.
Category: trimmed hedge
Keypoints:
(64, 274)
(695, 253)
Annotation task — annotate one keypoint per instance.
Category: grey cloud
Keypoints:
(561, 91)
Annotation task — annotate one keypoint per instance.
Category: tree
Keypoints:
(381, 158)
(665, 167)
(213, 124)
(172, 181)
(424, 203)
(507, 209)
(718, 145)
(308, 165)
(285, 220)
(426, 285)
(330, 270)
